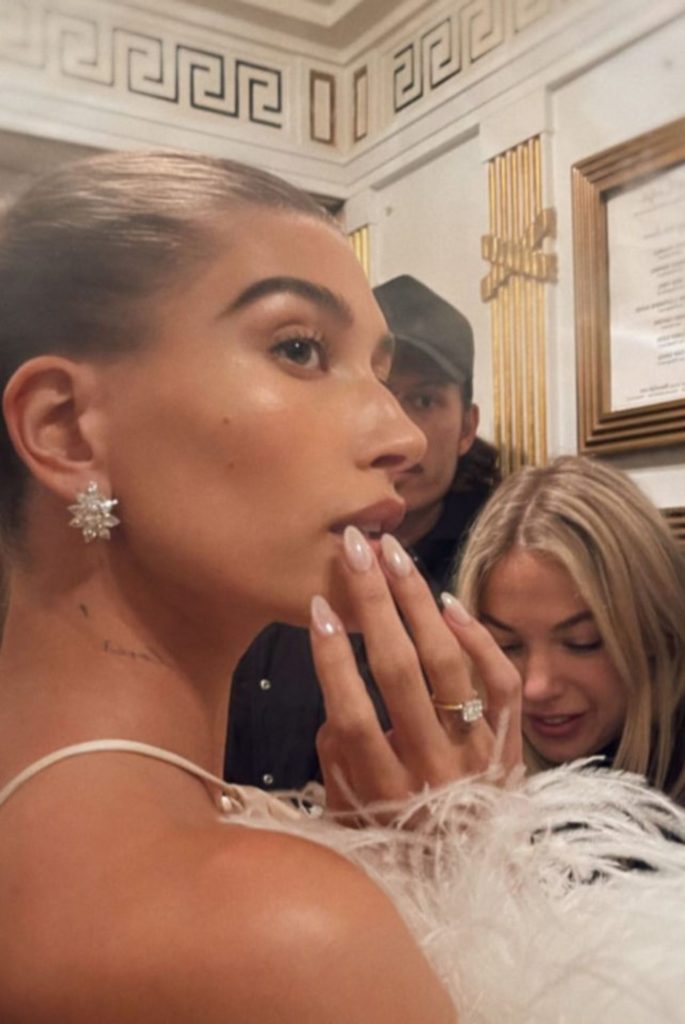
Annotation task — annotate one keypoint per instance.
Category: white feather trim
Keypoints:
(556, 900)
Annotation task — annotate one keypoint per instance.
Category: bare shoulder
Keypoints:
(277, 929)
(221, 924)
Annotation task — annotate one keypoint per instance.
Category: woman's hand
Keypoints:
(426, 746)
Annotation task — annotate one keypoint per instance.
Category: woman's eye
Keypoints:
(584, 648)
(510, 648)
(307, 353)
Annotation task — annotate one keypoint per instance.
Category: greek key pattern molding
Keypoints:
(115, 52)
(50, 40)
(322, 119)
(456, 41)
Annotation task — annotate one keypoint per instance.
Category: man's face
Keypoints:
(436, 406)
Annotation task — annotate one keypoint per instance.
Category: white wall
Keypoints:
(429, 223)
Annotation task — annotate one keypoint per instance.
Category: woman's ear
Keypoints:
(51, 411)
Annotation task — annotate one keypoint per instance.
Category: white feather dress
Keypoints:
(559, 899)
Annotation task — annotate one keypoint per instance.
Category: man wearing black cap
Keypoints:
(276, 704)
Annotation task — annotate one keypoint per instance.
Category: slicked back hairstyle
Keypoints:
(618, 550)
(87, 246)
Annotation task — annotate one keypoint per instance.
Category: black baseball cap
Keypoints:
(418, 316)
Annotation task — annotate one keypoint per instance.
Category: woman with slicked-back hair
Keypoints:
(197, 440)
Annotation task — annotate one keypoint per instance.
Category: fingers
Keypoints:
(408, 641)
(350, 715)
(356, 772)
(442, 659)
(393, 657)
(500, 679)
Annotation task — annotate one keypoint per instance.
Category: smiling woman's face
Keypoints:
(256, 423)
(574, 703)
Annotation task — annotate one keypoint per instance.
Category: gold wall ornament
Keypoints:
(359, 240)
(520, 256)
(675, 517)
(514, 287)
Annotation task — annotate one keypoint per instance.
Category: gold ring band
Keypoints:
(469, 711)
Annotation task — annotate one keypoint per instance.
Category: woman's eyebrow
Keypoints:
(572, 620)
(317, 294)
(492, 621)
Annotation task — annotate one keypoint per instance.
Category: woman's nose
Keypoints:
(390, 439)
(540, 682)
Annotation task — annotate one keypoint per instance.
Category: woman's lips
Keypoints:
(555, 726)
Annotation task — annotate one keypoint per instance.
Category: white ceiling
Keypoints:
(335, 23)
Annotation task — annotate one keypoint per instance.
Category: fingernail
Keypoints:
(359, 554)
(455, 609)
(324, 619)
(394, 556)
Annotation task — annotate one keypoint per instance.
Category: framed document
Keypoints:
(629, 259)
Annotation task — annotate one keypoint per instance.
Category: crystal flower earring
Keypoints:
(92, 513)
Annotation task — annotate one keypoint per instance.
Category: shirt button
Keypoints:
(268, 779)
(264, 684)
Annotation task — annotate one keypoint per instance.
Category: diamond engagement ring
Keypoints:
(467, 712)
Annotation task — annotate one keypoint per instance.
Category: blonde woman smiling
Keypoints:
(582, 585)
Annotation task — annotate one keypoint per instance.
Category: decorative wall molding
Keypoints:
(322, 109)
(424, 64)
(519, 254)
(360, 242)
(130, 72)
(450, 45)
(105, 50)
(515, 288)
(525, 12)
(675, 517)
(360, 103)
(147, 64)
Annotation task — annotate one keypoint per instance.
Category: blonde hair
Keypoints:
(618, 550)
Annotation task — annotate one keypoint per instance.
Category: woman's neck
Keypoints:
(76, 665)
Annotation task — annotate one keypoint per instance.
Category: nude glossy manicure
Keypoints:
(455, 609)
(359, 554)
(324, 619)
(394, 556)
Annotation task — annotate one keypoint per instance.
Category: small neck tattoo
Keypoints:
(147, 654)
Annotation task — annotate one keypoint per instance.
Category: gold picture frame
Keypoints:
(630, 173)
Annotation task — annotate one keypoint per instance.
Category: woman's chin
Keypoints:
(333, 587)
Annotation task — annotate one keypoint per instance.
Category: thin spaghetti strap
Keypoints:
(232, 799)
(121, 746)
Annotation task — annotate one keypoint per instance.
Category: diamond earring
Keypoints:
(92, 513)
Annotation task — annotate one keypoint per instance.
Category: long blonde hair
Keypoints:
(629, 569)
